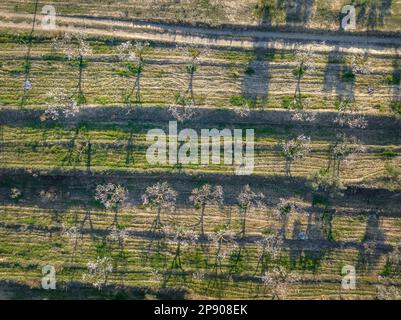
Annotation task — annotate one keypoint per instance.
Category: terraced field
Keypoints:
(331, 201)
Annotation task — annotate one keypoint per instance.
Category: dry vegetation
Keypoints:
(77, 192)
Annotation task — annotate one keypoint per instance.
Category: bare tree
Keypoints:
(203, 196)
(247, 200)
(193, 53)
(159, 196)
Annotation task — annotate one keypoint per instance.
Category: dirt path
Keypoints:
(206, 36)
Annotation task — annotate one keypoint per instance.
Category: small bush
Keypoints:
(298, 72)
(286, 102)
(396, 107)
(393, 79)
(348, 76)
(241, 101)
(249, 71)
(388, 154)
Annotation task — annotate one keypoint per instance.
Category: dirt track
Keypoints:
(206, 36)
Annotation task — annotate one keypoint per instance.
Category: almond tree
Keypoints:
(295, 149)
(193, 53)
(59, 105)
(111, 196)
(181, 239)
(359, 63)
(203, 196)
(27, 84)
(132, 57)
(387, 289)
(72, 234)
(348, 115)
(327, 183)
(247, 200)
(159, 196)
(119, 236)
(305, 62)
(183, 109)
(223, 239)
(76, 49)
(269, 248)
(99, 271)
(278, 281)
(343, 149)
(282, 212)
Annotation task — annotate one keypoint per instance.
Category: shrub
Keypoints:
(393, 79)
(249, 71)
(348, 75)
(286, 102)
(241, 101)
(298, 72)
(388, 154)
(396, 107)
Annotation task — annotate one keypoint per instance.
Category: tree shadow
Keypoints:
(369, 255)
(89, 153)
(129, 157)
(396, 80)
(255, 83)
(27, 63)
(80, 144)
(338, 76)
(306, 257)
(298, 12)
(372, 14)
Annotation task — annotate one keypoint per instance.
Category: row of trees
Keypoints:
(161, 197)
(131, 56)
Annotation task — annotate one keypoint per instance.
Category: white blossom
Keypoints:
(132, 52)
(15, 193)
(118, 235)
(295, 149)
(110, 195)
(175, 235)
(59, 104)
(207, 194)
(159, 195)
(182, 113)
(248, 198)
(27, 85)
(73, 45)
(98, 271)
(278, 280)
(270, 245)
